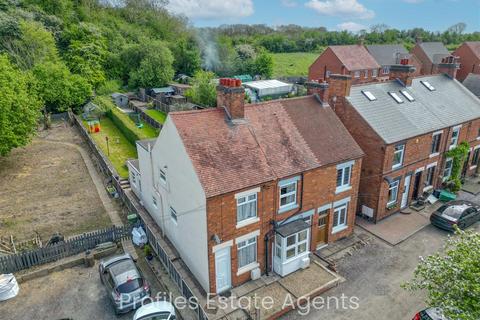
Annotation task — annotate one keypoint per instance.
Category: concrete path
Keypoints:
(97, 181)
(395, 228)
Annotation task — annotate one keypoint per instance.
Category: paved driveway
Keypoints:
(374, 274)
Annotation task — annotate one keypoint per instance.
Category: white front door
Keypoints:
(406, 191)
(223, 270)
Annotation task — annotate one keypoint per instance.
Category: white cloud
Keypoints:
(342, 8)
(351, 26)
(289, 3)
(212, 9)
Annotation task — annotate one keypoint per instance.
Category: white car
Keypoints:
(8, 286)
(158, 310)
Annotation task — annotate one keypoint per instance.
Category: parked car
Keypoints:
(461, 213)
(159, 310)
(125, 284)
(430, 314)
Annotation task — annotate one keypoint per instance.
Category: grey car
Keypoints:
(125, 284)
(460, 213)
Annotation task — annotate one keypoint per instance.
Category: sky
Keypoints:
(351, 15)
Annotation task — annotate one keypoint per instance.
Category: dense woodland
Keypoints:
(57, 54)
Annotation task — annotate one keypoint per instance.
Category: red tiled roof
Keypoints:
(279, 138)
(475, 46)
(355, 57)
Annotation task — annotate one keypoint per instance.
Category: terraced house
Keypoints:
(406, 126)
(244, 189)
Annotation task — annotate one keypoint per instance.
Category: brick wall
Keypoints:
(469, 63)
(423, 59)
(315, 189)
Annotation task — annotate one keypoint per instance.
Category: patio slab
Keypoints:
(472, 185)
(397, 227)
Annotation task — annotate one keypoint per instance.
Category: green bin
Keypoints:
(446, 196)
(132, 218)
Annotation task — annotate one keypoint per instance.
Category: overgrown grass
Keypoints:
(293, 64)
(157, 115)
(120, 148)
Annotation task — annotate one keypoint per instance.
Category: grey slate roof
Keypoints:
(386, 54)
(435, 51)
(472, 83)
(163, 90)
(450, 104)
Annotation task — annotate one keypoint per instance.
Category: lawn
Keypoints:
(120, 148)
(157, 115)
(293, 64)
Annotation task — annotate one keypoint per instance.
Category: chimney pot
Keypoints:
(402, 72)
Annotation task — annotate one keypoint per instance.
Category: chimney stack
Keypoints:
(320, 89)
(340, 85)
(403, 72)
(449, 66)
(231, 97)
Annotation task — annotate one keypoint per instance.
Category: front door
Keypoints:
(466, 164)
(406, 191)
(416, 185)
(322, 231)
(223, 270)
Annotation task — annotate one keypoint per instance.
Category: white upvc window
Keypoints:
(340, 217)
(398, 156)
(163, 176)
(328, 73)
(436, 140)
(386, 70)
(430, 175)
(173, 214)
(374, 73)
(133, 178)
(366, 74)
(356, 74)
(447, 172)
(393, 192)
(288, 194)
(246, 207)
(295, 244)
(154, 201)
(344, 176)
(455, 136)
(247, 252)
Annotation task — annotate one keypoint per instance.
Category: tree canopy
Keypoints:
(452, 278)
(203, 91)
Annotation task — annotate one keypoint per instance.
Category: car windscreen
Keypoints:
(130, 285)
(157, 316)
(453, 211)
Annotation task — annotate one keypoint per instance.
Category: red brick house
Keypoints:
(431, 55)
(469, 55)
(405, 126)
(246, 189)
(354, 60)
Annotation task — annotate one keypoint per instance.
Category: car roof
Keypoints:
(462, 202)
(436, 314)
(124, 271)
(157, 306)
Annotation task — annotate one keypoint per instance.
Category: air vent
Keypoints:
(369, 95)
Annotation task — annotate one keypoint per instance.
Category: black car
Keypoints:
(460, 213)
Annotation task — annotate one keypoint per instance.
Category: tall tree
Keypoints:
(203, 90)
(19, 107)
(452, 278)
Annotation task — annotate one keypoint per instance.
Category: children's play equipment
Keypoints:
(93, 125)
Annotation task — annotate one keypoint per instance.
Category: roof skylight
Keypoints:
(428, 85)
(369, 95)
(396, 97)
(407, 95)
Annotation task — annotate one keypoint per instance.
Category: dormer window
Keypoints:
(369, 95)
(396, 97)
(407, 95)
(428, 85)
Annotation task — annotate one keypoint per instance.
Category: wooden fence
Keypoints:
(74, 245)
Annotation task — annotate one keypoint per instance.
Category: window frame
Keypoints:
(291, 205)
(437, 144)
(163, 176)
(366, 73)
(343, 168)
(374, 73)
(449, 169)
(386, 69)
(475, 157)
(247, 244)
(454, 140)
(295, 246)
(431, 176)
(356, 74)
(394, 185)
(246, 203)
(154, 202)
(402, 157)
(337, 226)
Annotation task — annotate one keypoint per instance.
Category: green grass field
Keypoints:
(292, 64)
(120, 148)
(157, 115)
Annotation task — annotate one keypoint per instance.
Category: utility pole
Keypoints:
(108, 148)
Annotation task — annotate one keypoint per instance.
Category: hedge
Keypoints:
(124, 123)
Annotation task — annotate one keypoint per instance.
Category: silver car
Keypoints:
(125, 284)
